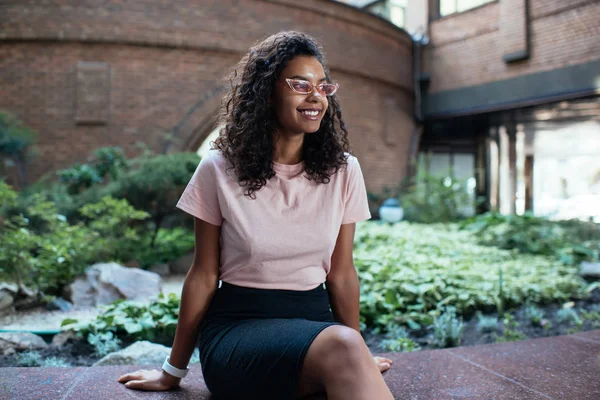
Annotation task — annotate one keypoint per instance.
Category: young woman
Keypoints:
(275, 204)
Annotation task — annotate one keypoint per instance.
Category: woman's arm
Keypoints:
(344, 288)
(342, 281)
(199, 287)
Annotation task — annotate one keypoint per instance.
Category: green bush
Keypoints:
(133, 321)
(569, 241)
(397, 340)
(154, 184)
(54, 362)
(105, 161)
(170, 244)
(30, 358)
(486, 324)
(104, 343)
(39, 248)
(408, 271)
(534, 314)
(16, 142)
(447, 329)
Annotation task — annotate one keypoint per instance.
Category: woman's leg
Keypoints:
(339, 362)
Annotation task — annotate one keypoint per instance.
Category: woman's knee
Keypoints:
(339, 347)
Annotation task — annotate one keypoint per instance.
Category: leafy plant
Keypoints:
(170, 244)
(510, 333)
(31, 358)
(397, 340)
(155, 321)
(55, 362)
(568, 241)
(104, 343)
(486, 324)
(430, 198)
(408, 271)
(39, 248)
(447, 329)
(534, 315)
(16, 142)
(569, 316)
(110, 220)
(105, 161)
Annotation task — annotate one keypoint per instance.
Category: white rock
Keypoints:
(105, 283)
(20, 341)
(139, 353)
(9, 287)
(591, 270)
(6, 301)
(182, 264)
(61, 338)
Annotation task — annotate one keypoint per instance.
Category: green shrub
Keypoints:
(408, 271)
(55, 362)
(8, 197)
(39, 248)
(110, 220)
(510, 333)
(447, 329)
(154, 184)
(31, 358)
(104, 343)
(569, 241)
(105, 160)
(397, 340)
(155, 321)
(170, 244)
(486, 324)
(16, 142)
(534, 314)
(569, 316)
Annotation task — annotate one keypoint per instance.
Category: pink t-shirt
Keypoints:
(285, 237)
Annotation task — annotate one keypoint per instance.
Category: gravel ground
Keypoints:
(39, 318)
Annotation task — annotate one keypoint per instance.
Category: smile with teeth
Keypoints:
(311, 113)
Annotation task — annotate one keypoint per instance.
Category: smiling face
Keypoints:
(300, 113)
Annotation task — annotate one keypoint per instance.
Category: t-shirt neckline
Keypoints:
(288, 169)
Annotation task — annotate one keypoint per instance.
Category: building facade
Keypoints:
(87, 74)
(510, 91)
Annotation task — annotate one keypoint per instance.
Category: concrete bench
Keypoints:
(562, 367)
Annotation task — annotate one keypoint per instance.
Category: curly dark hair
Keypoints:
(248, 119)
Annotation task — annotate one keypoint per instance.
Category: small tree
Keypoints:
(16, 140)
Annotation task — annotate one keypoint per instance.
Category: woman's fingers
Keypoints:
(130, 376)
(136, 384)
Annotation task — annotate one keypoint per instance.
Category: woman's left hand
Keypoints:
(383, 363)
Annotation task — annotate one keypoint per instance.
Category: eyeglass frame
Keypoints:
(313, 87)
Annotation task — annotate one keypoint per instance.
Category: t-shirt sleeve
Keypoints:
(200, 197)
(356, 205)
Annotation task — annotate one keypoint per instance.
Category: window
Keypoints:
(448, 7)
(392, 10)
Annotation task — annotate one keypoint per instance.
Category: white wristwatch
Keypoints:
(176, 372)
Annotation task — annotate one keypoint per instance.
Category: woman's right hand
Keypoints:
(151, 380)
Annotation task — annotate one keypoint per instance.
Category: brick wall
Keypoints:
(87, 74)
(467, 49)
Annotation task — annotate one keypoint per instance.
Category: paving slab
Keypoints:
(564, 367)
(560, 367)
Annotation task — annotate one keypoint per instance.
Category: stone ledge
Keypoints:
(561, 367)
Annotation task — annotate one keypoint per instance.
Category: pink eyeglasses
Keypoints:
(305, 87)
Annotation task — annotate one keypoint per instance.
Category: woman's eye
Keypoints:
(302, 86)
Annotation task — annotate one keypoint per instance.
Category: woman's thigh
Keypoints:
(332, 347)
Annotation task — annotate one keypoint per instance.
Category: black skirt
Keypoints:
(253, 341)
